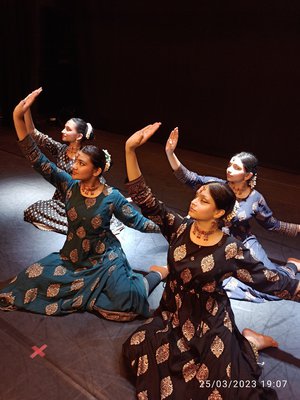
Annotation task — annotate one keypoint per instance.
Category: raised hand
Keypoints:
(26, 103)
(140, 137)
(172, 141)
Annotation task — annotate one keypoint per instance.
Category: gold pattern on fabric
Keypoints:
(80, 269)
(156, 219)
(178, 301)
(240, 254)
(51, 308)
(112, 256)
(72, 214)
(80, 232)
(255, 350)
(91, 304)
(70, 236)
(227, 275)
(164, 330)
(182, 345)
(212, 306)
(74, 255)
(111, 269)
(60, 271)
(46, 168)
(283, 294)
(181, 229)
(202, 328)
(143, 395)
(217, 346)
(8, 297)
(53, 290)
(126, 210)
(166, 387)
(202, 373)
(143, 365)
(34, 270)
(227, 321)
(162, 353)
(209, 287)
(189, 370)
(170, 218)
(175, 319)
(13, 279)
(228, 371)
(231, 250)
(89, 202)
(137, 338)
(77, 285)
(215, 395)
(207, 263)
(96, 221)
(180, 253)
(69, 194)
(86, 245)
(77, 302)
(100, 247)
(165, 315)
(271, 276)
(188, 329)
(173, 285)
(244, 275)
(186, 275)
(95, 284)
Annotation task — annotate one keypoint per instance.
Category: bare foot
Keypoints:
(295, 261)
(163, 270)
(260, 341)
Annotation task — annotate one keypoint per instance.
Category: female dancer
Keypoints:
(241, 177)
(91, 271)
(192, 348)
(51, 214)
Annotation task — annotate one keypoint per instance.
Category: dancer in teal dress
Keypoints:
(191, 348)
(91, 271)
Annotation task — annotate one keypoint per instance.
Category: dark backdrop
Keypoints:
(226, 72)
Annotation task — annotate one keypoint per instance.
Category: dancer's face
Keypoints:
(83, 169)
(235, 171)
(70, 133)
(203, 207)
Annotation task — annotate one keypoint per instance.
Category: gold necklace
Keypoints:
(199, 233)
(89, 190)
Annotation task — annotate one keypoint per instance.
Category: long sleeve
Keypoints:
(256, 275)
(54, 175)
(192, 179)
(168, 221)
(264, 216)
(126, 213)
(46, 142)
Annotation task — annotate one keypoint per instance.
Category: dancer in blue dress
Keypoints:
(91, 271)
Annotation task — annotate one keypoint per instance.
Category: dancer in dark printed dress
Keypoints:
(250, 205)
(192, 349)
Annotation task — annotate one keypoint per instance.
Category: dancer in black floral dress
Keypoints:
(192, 348)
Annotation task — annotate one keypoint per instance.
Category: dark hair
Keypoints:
(98, 157)
(249, 161)
(223, 196)
(84, 128)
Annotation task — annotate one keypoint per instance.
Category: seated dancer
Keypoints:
(91, 271)
(50, 215)
(193, 341)
(250, 204)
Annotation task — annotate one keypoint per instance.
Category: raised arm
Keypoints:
(136, 140)
(170, 147)
(19, 112)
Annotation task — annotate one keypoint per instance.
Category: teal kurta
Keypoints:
(91, 271)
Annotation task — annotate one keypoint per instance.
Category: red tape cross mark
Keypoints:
(38, 351)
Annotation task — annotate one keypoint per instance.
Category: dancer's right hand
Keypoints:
(26, 103)
(172, 141)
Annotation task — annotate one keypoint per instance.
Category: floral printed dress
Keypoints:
(191, 348)
(252, 207)
(91, 271)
